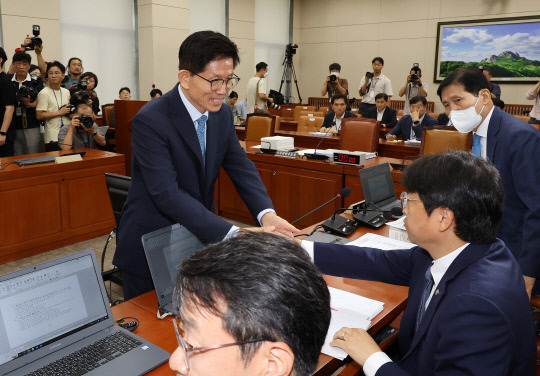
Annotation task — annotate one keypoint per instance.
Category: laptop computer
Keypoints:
(379, 193)
(165, 249)
(53, 318)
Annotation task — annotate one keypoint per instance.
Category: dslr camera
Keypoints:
(35, 40)
(86, 121)
(415, 68)
(333, 78)
(275, 106)
(369, 74)
(79, 94)
(25, 91)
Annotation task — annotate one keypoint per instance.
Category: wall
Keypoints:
(242, 32)
(352, 32)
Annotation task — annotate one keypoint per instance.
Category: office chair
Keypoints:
(258, 126)
(439, 139)
(359, 135)
(309, 124)
(297, 110)
(310, 113)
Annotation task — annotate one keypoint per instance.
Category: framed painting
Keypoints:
(509, 47)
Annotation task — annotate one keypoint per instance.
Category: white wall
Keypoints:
(207, 15)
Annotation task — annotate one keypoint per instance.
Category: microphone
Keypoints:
(314, 155)
(344, 192)
(377, 220)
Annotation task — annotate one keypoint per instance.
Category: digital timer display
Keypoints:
(343, 158)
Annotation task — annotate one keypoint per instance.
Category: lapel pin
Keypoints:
(437, 292)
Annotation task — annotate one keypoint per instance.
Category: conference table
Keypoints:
(161, 332)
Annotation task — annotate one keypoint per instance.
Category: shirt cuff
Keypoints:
(262, 213)
(374, 362)
(232, 233)
(308, 247)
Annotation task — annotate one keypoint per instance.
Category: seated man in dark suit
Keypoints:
(410, 126)
(383, 113)
(468, 312)
(332, 120)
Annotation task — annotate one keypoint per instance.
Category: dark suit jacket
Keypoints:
(513, 146)
(169, 184)
(443, 119)
(403, 127)
(388, 118)
(479, 322)
(329, 118)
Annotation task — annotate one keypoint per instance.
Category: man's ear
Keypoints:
(446, 219)
(279, 357)
(485, 96)
(183, 78)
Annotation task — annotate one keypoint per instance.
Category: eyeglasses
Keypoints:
(188, 348)
(218, 83)
(404, 198)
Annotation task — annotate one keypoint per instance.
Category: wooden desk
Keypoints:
(397, 149)
(306, 140)
(50, 205)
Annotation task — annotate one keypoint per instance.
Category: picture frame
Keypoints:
(510, 47)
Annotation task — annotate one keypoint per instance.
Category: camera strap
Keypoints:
(58, 105)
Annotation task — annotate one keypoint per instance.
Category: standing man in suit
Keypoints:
(383, 113)
(513, 147)
(332, 120)
(467, 310)
(410, 126)
(180, 142)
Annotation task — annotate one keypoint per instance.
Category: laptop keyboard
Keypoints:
(90, 357)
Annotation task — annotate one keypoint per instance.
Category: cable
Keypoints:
(165, 314)
(128, 325)
(4, 165)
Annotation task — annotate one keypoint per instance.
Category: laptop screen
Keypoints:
(46, 304)
(377, 184)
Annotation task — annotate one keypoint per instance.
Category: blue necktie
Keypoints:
(201, 134)
(428, 285)
(476, 147)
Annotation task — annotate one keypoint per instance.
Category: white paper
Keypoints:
(327, 152)
(413, 142)
(382, 242)
(321, 134)
(398, 223)
(256, 147)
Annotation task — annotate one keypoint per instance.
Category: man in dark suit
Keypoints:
(180, 142)
(467, 312)
(383, 113)
(332, 120)
(410, 126)
(513, 146)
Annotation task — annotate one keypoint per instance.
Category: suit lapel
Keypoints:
(212, 136)
(493, 130)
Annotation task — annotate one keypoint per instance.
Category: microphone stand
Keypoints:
(314, 155)
(314, 210)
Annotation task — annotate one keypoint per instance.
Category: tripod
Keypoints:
(288, 74)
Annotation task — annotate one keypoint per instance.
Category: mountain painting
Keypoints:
(509, 47)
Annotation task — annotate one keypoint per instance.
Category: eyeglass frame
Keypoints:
(187, 347)
(404, 198)
(223, 82)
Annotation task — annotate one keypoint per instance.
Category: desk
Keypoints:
(397, 149)
(161, 332)
(50, 205)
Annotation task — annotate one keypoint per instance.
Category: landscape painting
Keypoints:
(510, 47)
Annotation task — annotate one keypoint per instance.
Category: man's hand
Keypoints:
(64, 110)
(415, 115)
(260, 229)
(408, 79)
(390, 137)
(73, 86)
(27, 41)
(281, 225)
(529, 284)
(271, 100)
(323, 129)
(2, 140)
(75, 122)
(357, 343)
(25, 101)
(333, 130)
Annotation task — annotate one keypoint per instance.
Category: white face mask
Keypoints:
(266, 75)
(466, 120)
(335, 74)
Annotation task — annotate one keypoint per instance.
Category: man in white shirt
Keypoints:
(413, 87)
(257, 88)
(467, 312)
(372, 84)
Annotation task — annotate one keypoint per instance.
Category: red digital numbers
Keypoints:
(344, 158)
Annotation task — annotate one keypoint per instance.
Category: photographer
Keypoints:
(372, 84)
(29, 44)
(25, 123)
(53, 105)
(82, 132)
(7, 109)
(333, 84)
(88, 83)
(256, 90)
(74, 71)
(332, 120)
(413, 87)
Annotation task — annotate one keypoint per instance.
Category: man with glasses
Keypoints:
(468, 311)
(275, 324)
(180, 141)
(410, 126)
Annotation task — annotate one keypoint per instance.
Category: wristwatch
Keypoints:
(3, 133)
(419, 85)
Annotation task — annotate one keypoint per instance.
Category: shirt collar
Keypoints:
(342, 116)
(381, 112)
(193, 112)
(441, 265)
(483, 128)
(28, 78)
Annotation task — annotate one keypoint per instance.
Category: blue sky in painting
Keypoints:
(474, 43)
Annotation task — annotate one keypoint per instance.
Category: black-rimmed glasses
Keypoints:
(218, 83)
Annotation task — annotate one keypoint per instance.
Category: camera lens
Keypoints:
(333, 78)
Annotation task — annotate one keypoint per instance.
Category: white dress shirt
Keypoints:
(482, 131)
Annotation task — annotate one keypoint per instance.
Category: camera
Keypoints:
(78, 97)
(35, 40)
(25, 91)
(290, 49)
(275, 106)
(414, 77)
(82, 84)
(333, 78)
(369, 74)
(86, 121)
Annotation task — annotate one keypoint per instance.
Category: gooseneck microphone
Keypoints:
(344, 192)
(314, 155)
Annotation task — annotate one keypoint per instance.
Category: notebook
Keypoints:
(165, 249)
(54, 315)
(379, 193)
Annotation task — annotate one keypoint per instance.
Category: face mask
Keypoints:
(466, 120)
(266, 75)
(335, 74)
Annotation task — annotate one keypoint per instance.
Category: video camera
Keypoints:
(35, 41)
(32, 92)
(290, 49)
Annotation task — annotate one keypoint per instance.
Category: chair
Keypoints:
(118, 187)
(324, 109)
(434, 115)
(110, 137)
(309, 124)
(359, 135)
(258, 126)
(310, 113)
(355, 111)
(537, 126)
(297, 110)
(278, 123)
(439, 139)
(523, 117)
(399, 114)
(287, 113)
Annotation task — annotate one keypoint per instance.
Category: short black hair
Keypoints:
(271, 290)
(154, 92)
(89, 74)
(57, 64)
(472, 79)
(382, 95)
(81, 106)
(22, 56)
(469, 186)
(338, 96)
(33, 67)
(233, 94)
(260, 66)
(418, 98)
(379, 59)
(3, 56)
(418, 70)
(486, 69)
(124, 88)
(203, 47)
(73, 58)
(334, 66)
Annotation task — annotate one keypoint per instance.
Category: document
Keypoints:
(382, 242)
